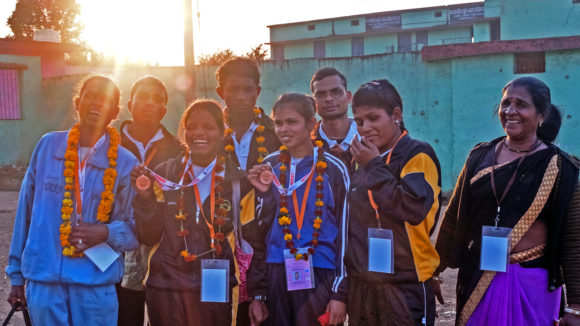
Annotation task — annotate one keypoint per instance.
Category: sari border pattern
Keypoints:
(516, 235)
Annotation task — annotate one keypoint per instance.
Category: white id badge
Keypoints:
(381, 251)
(299, 272)
(495, 249)
(215, 280)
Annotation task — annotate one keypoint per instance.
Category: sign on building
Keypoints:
(465, 14)
(383, 23)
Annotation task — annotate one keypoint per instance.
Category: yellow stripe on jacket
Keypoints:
(424, 254)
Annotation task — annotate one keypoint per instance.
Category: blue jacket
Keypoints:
(36, 252)
(332, 245)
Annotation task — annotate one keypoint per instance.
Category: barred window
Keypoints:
(9, 94)
(529, 63)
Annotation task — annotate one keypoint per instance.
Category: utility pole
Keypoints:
(188, 50)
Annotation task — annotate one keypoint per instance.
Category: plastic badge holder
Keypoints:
(299, 272)
(381, 251)
(495, 249)
(215, 280)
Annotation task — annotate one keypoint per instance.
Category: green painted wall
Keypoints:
(342, 26)
(338, 48)
(300, 31)
(299, 50)
(481, 32)
(450, 36)
(525, 19)
(379, 44)
(421, 19)
(18, 137)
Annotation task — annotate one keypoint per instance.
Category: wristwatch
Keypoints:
(260, 297)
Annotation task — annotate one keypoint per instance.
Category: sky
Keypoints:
(151, 31)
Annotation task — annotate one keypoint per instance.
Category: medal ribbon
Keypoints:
(373, 204)
(169, 185)
(300, 213)
(293, 186)
(212, 207)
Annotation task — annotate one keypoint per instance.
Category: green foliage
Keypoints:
(217, 58)
(60, 15)
(257, 53)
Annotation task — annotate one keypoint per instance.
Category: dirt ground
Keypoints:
(9, 200)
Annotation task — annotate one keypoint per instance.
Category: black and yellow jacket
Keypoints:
(408, 194)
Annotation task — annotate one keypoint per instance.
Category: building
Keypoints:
(410, 30)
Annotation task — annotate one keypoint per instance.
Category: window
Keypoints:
(319, 49)
(529, 63)
(358, 46)
(422, 38)
(9, 94)
(404, 42)
(438, 13)
(278, 51)
(354, 22)
(311, 27)
(494, 30)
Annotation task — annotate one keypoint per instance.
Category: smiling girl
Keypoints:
(304, 214)
(395, 196)
(193, 223)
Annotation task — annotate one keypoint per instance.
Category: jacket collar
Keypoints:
(98, 159)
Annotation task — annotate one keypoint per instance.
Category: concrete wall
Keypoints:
(526, 19)
(448, 103)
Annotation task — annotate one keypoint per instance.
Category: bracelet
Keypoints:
(572, 311)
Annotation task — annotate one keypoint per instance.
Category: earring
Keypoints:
(397, 122)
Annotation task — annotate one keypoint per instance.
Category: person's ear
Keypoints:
(220, 92)
(130, 106)
(77, 99)
(397, 114)
(311, 123)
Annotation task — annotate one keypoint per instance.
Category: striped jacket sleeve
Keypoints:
(340, 185)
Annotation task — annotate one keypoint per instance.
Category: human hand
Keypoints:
(435, 283)
(337, 310)
(87, 235)
(570, 319)
(254, 177)
(363, 151)
(17, 295)
(137, 172)
(258, 312)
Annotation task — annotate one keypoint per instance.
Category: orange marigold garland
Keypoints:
(71, 157)
(283, 217)
(260, 138)
(222, 209)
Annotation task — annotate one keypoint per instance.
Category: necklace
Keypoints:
(71, 166)
(260, 139)
(284, 219)
(532, 148)
(219, 208)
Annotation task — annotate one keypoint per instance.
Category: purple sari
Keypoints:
(518, 297)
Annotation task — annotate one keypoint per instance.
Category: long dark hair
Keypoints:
(541, 96)
(379, 93)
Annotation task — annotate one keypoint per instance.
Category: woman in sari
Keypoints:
(518, 194)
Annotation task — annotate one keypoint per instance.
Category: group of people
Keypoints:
(246, 219)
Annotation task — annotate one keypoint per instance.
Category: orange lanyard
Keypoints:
(79, 202)
(373, 204)
(300, 213)
(150, 156)
(212, 207)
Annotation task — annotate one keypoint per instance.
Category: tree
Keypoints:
(216, 58)
(59, 15)
(257, 53)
